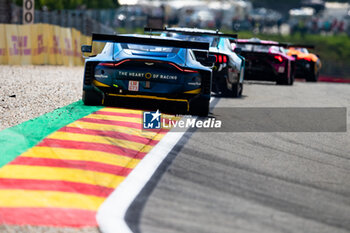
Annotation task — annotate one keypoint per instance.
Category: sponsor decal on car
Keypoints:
(133, 86)
(148, 75)
(127, 74)
(101, 76)
(194, 83)
(169, 77)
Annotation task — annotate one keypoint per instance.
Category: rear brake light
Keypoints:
(109, 64)
(220, 58)
(183, 70)
(106, 64)
(190, 71)
(279, 58)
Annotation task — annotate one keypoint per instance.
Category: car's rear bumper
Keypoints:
(266, 73)
(153, 98)
(112, 93)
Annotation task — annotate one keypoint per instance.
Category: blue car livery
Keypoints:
(147, 67)
(228, 69)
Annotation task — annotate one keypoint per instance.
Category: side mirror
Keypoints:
(318, 56)
(86, 48)
(237, 51)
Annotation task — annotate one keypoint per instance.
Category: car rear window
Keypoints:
(260, 48)
(208, 39)
(149, 48)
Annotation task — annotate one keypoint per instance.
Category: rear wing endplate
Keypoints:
(187, 32)
(151, 41)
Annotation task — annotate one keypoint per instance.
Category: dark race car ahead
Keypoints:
(144, 67)
(228, 69)
(307, 65)
(266, 60)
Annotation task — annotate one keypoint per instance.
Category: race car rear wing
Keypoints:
(285, 45)
(301, 46)
(151, 41)
(187, 32)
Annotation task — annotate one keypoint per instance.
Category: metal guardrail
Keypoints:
(81, 20)
(5, 12)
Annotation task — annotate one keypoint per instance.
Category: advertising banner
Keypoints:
(39, 44)
(77, 42)
(66, 43)
(14, 57)
(3, 45)
(42, 44)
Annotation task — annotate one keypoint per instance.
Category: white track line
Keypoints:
(111, 214)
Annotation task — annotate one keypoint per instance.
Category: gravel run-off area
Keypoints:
(27, 92)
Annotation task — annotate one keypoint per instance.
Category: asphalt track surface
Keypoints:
(254, 182)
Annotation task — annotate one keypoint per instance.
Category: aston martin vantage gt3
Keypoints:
(148, 68)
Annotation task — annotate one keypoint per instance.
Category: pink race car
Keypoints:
(266, 60)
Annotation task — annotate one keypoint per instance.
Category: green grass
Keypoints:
(16, 140)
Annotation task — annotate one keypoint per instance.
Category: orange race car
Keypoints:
(308, 65)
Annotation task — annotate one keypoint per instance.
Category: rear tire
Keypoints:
(281, 81)
(292, 78)
(285, 81)
(199, 107)
(312, 78)
(237, 90)
(92, 98)
(313, 75)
